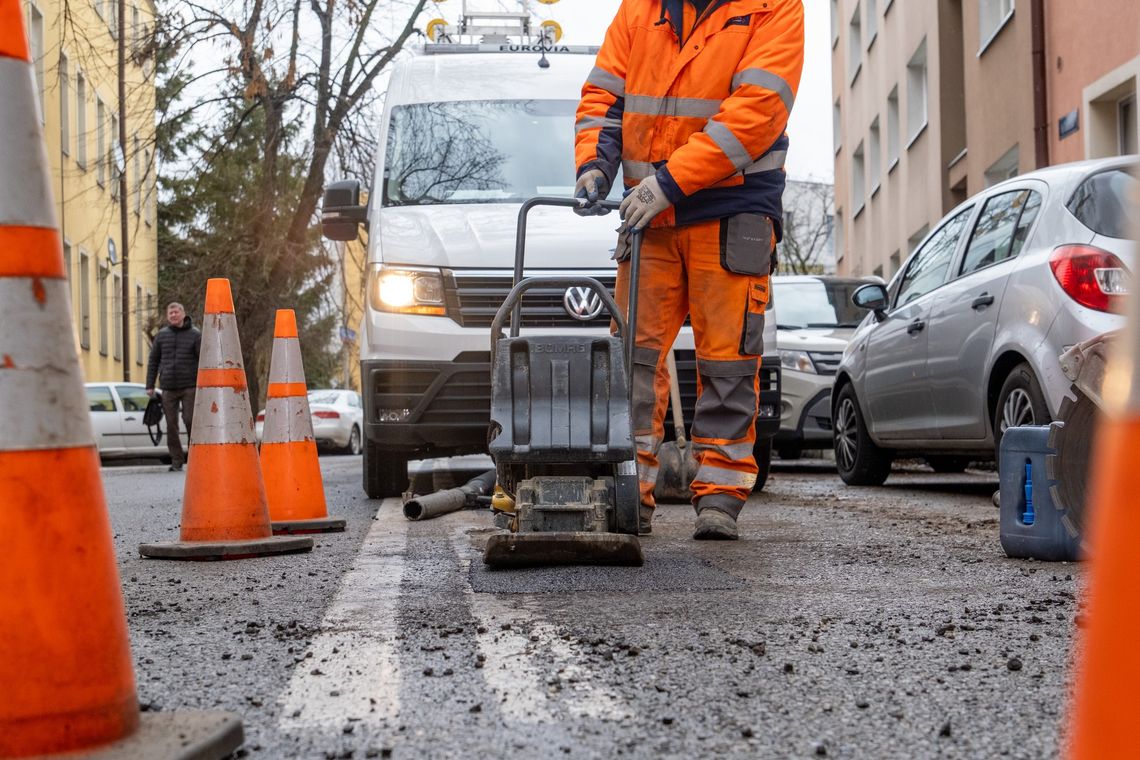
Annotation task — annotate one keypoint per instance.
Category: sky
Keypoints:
(812, 153)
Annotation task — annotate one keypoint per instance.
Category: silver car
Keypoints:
(338, 419)
(117, 418)
(965, 341)
(816, 320)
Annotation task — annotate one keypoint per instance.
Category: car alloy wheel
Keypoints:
(354, 441)
(846, 434)
(1018, 410)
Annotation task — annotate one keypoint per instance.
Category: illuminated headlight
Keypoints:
(798, 361)
(406, 291)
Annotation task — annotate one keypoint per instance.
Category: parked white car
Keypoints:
(117, 417)
(338, 419)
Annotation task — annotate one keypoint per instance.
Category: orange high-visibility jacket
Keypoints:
(700, 102)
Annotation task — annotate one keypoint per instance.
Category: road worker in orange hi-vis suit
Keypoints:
(690, 98)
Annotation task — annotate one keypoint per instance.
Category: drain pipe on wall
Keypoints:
(1040, 85)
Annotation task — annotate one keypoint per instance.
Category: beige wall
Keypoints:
(1093, 52)
(64, 46)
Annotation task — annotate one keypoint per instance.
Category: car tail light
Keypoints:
(261, 417)
(1091, 277)
(327, 415)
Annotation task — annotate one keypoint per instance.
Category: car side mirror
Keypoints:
(873, 297)
(341, 212)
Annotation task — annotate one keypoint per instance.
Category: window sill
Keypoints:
(921, 131)
(894, 165)
(996, 33)
(859, 210)
(855, 74)
(871, 42)
(875, 189)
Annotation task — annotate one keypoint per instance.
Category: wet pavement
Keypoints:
(852, 623)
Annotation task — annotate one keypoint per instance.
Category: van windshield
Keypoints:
(486, 151)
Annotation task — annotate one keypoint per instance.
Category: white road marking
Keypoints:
(360, 625)
(517, 680)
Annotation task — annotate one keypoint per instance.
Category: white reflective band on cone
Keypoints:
(43, 404)
(222, 415)
(27, 200)
(221, 347)
(285, 365)
(287, 420)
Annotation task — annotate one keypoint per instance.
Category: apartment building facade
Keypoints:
(74, 49)
(935, 100)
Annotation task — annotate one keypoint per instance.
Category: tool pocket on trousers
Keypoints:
(752, 341)
(746, 244)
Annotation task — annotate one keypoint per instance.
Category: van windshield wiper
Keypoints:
(789, 327)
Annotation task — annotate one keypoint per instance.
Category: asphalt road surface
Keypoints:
(849, 623)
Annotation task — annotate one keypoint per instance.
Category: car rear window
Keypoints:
(1102, 203)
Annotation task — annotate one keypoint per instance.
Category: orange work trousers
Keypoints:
(684, 273)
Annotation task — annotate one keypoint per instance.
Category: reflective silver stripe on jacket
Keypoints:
(637, 170)
(649, 105)
(769, 81)
(771, 162)
(611, 83)
(729, 144)
(593, 122)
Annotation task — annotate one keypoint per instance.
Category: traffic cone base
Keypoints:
(206, 551)
(290, 466)
(182, 735)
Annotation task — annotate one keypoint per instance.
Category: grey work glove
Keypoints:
(592, 186)
(642, 204)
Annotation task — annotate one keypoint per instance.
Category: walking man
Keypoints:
(691, 98)
(174, 363)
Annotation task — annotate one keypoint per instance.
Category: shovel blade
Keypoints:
(676, 468)
(518, 550)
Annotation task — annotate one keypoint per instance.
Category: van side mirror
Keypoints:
(341, 212)
(872, 297)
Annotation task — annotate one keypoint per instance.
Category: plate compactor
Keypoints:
(561, 433)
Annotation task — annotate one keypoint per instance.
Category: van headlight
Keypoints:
(797, 360)
(406, 291)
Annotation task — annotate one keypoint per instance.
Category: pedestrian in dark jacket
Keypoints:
(174, 364)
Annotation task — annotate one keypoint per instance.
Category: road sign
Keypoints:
(347, 334)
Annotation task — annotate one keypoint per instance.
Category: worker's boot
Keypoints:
(716, 518)
(644, 520)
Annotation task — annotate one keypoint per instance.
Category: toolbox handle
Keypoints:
(627, 327)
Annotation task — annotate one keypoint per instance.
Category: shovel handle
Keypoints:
(675, 398)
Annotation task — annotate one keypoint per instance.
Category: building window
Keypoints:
(138, 324)
(136, 172)
(114, 168)
(117, 316)
(113, 19)
(992, 18)
(858, 181)
(104, 310)
(80, 120)
(916, 113)
(854, 45)
(872, 22)
(875, 155)
(99, 8)
(834, 23)
(64, 106)
(893, 128)
(67, 260)
(1126, 126)
(84, 300)
(840, 240)
(837, 126)
(100, 142)
(896, 262)
(36, 49)
(1006, 167)
(148, 208)
(135, 24)
(914, 240)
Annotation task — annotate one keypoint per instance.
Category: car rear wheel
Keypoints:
(860, 461)
(385, 472)
(1020, 402)
(353, 448)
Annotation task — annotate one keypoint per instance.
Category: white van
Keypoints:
(469, 136)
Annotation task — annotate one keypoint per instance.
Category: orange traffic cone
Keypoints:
(1108, 676)
(289, 462)
(224, 512)
(65, 662)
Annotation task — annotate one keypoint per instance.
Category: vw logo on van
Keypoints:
(582, 303)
